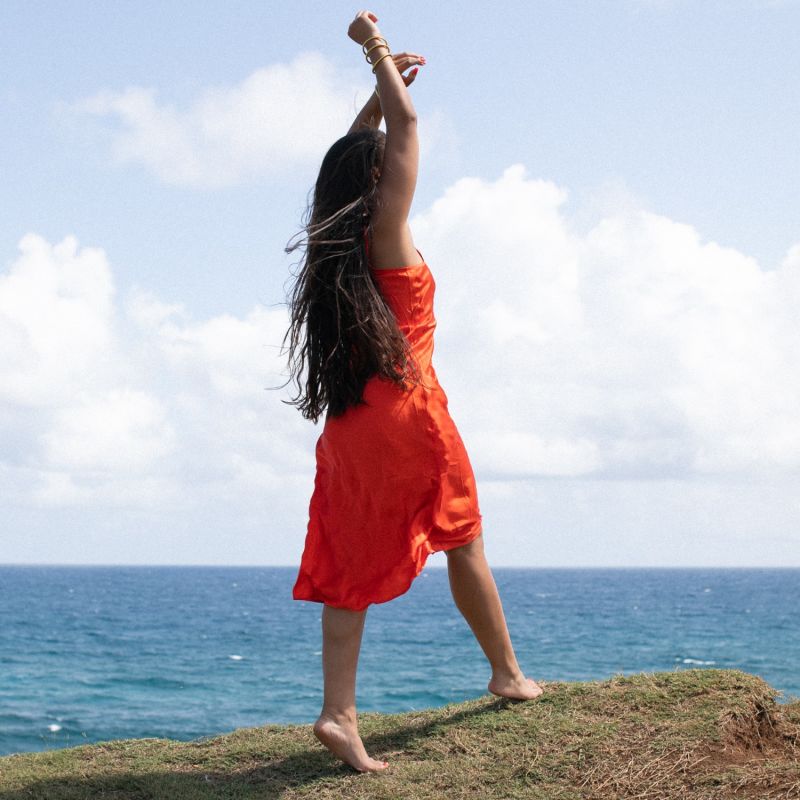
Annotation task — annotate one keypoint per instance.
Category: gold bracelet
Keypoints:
(375, 66)
(364, 43)
(374, 47)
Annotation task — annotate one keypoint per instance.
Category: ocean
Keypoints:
(89, 654)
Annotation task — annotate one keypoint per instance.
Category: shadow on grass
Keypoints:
(270, 780)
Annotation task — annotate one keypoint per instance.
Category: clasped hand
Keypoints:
(363, 27)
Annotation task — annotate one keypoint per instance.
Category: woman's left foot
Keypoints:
(515, 688)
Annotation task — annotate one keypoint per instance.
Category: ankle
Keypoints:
(342, 716)
(507, 673)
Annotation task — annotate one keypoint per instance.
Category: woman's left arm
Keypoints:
(371, 115)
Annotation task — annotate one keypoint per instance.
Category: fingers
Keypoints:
(404, 60)
(415, 56)
(409, 79)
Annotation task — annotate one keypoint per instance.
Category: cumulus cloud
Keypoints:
(631, 351)
(276, 119)
(129, 402)
(56, 321)
(634, 349)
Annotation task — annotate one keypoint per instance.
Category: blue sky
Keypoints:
(608, 197)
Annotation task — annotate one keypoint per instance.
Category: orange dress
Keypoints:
(393, 479)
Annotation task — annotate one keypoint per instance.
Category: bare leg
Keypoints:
(475, 594)
(337, 727)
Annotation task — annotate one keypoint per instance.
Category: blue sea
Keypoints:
(95, 653)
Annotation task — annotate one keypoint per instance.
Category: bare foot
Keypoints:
(516, 688)
(343, 741)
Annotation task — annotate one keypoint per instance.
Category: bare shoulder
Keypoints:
(392, 247)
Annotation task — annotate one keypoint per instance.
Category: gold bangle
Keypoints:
(374, 47)
(375, 66)
(364, 43)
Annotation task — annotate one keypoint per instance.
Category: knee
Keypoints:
(342, 622)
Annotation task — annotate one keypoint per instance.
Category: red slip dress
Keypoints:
(393, 479)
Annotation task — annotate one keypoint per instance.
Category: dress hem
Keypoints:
(315, 597)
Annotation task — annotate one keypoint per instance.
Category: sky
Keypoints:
(608, 198)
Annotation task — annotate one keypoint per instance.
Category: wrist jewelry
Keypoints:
(375, 47)
(375, 65)
(381, 43)
(364, 43)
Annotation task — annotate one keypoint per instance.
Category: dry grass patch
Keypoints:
(694, 734)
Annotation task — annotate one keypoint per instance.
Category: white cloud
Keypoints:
(630, 353)
(122, 429)
(278, 118)
(633, 349)
(130, 403)
(56, 321)
(509, 453)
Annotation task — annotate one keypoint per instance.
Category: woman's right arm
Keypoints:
(401, 155)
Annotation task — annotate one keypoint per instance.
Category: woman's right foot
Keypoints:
(515, 687)
(342, 739)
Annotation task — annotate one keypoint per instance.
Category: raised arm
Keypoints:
(398, 177)
(371, 114)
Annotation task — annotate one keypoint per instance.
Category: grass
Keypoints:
(692, 734)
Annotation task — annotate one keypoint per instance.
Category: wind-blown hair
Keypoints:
(341, 326)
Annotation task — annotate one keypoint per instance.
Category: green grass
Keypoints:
(691, 734)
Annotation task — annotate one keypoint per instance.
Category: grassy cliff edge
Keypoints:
(694, 733)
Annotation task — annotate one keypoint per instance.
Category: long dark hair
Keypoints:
(341, 325)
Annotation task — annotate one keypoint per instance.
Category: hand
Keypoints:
(362, 27)
(403, 61)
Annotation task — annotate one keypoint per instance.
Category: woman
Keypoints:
(393, 480)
